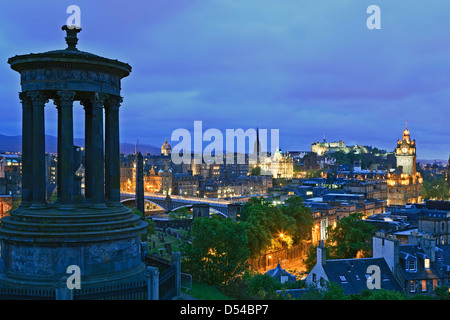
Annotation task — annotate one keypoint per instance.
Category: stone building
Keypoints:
(166, 149)
(405, 183)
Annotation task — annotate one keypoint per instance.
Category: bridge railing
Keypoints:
(181, 198)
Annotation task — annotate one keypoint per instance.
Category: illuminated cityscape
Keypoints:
(107, 192)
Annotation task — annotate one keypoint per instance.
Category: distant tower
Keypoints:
(448, 173)
(405, 153)
(166, 149)
(257, 148)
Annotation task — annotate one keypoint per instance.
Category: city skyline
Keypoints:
(307, 69)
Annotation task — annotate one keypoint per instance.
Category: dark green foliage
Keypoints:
(181, 213)
(265, 223)
(351, 236)
(256, 171)
(218, 251)
(302, 215)
(435, 188)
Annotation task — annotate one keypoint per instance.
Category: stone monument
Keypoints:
(40, 239)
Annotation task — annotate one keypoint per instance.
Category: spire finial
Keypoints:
(71, 38)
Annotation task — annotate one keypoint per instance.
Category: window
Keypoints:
(435, 283)
(424, 285)
(426, 263)
(412, 286)
(342, 278)
(314, 277)
(411, 265)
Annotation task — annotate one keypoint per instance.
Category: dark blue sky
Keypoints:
(305, 67)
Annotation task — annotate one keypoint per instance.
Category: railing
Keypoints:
(27, 294)
(167, 285)
(181, 198)
(186, 281)
(136, 290)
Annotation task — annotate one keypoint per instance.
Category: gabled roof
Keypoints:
(415, 252)
(351, 274)
(277, 272)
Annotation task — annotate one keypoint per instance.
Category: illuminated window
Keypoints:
(424, 285)
(427, 263)
(435, 283)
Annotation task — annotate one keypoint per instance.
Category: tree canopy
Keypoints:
(271, 226)
(350, 237)
(218, 251)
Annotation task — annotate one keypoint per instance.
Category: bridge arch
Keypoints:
(132, 200)
(211, 210)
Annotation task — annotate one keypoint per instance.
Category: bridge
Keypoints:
(201, 206)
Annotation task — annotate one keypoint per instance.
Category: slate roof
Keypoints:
(351, 274)
(278, 272)
(416, 253)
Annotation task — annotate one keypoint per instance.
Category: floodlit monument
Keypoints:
(41, 239)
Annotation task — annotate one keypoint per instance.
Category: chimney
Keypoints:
(429, 246)
(387, 247)
(321, 253)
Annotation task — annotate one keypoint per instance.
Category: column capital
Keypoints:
(24, 97)
(114, 102)
(99, 99)
(38, 97)
(65, 97)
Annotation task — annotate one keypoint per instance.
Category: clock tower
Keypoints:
(406, 154)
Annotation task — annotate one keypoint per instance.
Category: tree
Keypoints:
(265, 224)
(311, 258)
(351, 236)
(435, 188)
(304, 220)
(330, 291)
(218, 251)
(256, 171)
(442, 293)
(181, 213)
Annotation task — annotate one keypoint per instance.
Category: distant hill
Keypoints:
(14, 144)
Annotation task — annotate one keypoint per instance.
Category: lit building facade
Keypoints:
(405, 184)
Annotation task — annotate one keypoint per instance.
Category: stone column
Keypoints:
(152, 275)
(27, 149)
(97, 156)
(65, 148)
(58, 167)
(38, 150)
(112, 151)
(87, 104)
(176, 260)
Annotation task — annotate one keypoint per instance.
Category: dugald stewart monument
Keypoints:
(95, 233)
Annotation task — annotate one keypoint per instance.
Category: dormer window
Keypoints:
(426, 263)
(411, 265)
